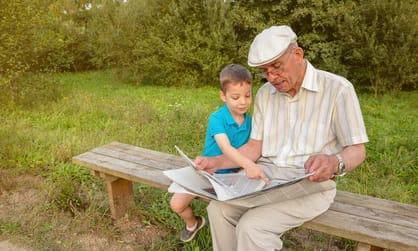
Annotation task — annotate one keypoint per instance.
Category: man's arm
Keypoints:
(325, 166)
(250, 167)
(232, 153)
(251, 150)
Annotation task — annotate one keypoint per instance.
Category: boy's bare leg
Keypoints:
(180, 204)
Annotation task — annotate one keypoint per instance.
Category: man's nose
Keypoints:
(270, 76)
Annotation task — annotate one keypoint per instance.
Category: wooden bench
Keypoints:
(374, 223)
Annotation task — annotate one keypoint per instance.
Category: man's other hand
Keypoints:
(322, 165)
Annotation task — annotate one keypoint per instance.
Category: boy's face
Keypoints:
(237, 97)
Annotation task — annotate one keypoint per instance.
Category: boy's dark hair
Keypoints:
(234, 73)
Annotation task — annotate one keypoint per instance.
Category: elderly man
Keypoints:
(305, 120)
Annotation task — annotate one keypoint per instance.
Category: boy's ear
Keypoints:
(222, 96)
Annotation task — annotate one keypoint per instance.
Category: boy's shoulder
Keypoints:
(222, 111)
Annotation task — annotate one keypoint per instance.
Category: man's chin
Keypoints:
(280, 88)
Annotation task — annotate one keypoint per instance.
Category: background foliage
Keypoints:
(183, 43)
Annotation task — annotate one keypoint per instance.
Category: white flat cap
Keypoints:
(270, 44)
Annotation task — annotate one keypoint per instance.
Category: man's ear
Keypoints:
(222, 96)
(299, 53)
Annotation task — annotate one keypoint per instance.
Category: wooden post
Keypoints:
(120, 192)
(367, 247)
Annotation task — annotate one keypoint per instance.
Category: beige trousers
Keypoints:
(244, 228)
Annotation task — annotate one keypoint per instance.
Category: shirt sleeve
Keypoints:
(348, 120)
(257, 120)
(215, 125)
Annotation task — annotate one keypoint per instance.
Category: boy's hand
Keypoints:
(203, 163)
(255, 172)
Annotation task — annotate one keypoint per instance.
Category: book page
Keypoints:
(223, 186)
(240, 184)
(188, 178)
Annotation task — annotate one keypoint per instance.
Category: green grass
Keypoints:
(94, 108)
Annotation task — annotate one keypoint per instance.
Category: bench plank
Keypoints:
(367, 247)
(375, 203)
(123, 169)
(140, 160)
(153, 159)
(365, 230)
(374, 214)
(150, 154)
(373, 222)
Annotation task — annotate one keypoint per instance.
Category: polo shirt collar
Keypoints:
(308, 82)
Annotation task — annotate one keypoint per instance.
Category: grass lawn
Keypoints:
(49, 204)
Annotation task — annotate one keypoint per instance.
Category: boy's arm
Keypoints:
(252, 170)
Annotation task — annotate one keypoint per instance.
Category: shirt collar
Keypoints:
(308, 82)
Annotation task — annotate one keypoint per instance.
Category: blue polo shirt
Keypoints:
(221, 121)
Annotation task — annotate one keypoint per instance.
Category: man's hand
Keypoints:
(204, 163)
(254, 171)
(322, 165)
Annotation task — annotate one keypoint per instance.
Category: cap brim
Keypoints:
(257, 64)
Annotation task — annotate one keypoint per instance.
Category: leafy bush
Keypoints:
(32, 40)
(187, 44)
(379, 39)
(172, 42)
(26, 47)
(190, 42)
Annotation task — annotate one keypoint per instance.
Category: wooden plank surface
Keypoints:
(366, 247)
(149, 154)
(376, 203)
(140, 160)
(365, 230)
(124, 169)
(382, 215)
(366, 219)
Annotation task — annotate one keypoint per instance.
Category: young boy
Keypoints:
(229, 128)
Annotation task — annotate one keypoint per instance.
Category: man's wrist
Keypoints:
(334, 163)
(340, 167)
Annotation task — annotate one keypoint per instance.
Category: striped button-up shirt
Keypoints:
(323, 117)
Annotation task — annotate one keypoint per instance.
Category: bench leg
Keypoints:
(120, 194)
(368, 247)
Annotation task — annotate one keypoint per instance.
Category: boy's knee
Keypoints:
(177, 205)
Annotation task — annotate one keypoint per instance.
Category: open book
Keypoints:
(221, 187)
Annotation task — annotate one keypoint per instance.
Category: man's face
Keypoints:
(283, 73)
